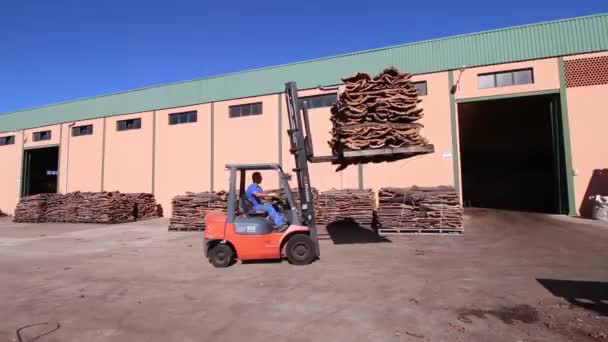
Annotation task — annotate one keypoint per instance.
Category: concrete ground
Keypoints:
(511, 277)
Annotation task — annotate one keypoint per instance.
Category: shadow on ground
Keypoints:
(590, 295)
(348, 231)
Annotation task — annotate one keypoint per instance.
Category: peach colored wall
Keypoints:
(245, 140)
(546, 77)
(55, 136)
(80, 166)
(183, 155)
(588, 120)
(128, 158)
(425, 170)
(323, 175)
(10, 180)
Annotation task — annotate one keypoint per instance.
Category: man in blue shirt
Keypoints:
(255, 194)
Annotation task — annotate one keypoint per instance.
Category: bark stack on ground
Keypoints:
(86, 207)
(420, 208)
(3, 214)
(146, 206)
(346, 205)
(189, 210)
(375, 113)
(32, 208)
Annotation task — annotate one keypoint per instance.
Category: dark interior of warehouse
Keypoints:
(511, 152)
(40, 170)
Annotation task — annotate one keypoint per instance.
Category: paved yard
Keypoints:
(511, 277)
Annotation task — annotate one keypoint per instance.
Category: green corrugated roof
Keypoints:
(553, 38)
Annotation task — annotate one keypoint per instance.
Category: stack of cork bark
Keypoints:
(419, 208)
(32, 208)
(374, 113)
(85, 207)
(348, 204)
(146, 205)
(3, 214)
(189, 210)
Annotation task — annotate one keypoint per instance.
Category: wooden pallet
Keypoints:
(406, 231)
(186, 229)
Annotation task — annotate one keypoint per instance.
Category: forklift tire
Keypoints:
(300, 250)
(221, 255)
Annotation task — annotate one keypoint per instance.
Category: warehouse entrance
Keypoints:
(40, 170)
(512, 154)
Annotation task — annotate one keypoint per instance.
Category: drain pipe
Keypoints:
(67, 158)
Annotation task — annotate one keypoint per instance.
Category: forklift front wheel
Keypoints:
(300, 250)
(221, 255)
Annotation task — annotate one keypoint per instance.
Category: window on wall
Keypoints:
(43, 135)
(319, 101)
(505, 78)
(124, 125)
(421, 88)
(245, 110)
(9, 140)
(82, 130)
(185, 117)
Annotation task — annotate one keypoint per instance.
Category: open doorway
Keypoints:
(512, 154)
(40, 170)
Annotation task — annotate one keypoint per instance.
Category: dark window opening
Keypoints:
(421, 88)
(43, 135)
(124, 125)
(505, 78)
(82, 130)
(181, 118)
(9, 140)
(245, 110)
(319, 101)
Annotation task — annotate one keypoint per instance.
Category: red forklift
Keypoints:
(245, 234)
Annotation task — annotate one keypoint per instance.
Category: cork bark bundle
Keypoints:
(374, 113)
(189, 210)
(347, 204)
(420, 208)
(86, 207)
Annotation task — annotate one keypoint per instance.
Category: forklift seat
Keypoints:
(247, 208)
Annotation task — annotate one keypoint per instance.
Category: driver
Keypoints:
(255, 194)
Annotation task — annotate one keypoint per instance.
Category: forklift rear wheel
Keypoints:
(221, 255)
(300, 250)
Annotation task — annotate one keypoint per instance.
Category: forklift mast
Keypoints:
(300, 142)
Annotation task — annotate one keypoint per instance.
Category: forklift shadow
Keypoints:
(348, 231)
(590, 295)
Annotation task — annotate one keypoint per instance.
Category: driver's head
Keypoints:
(257, 177)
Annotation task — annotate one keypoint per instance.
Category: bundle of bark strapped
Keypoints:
(146, 206)
(376, 113)
(84, 207)
(32, 208)
(420, 208)
(189, 210)
(348, 204)
(104, 207)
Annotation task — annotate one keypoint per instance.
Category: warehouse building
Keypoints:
(517, 116)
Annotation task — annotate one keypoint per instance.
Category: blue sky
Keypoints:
(54, 51)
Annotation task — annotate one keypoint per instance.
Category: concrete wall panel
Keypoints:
(128, 158)
(80, 168)
(183, 155)
(10, 176)
(546, 77)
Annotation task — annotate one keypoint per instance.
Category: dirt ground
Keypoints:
(510, 277)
